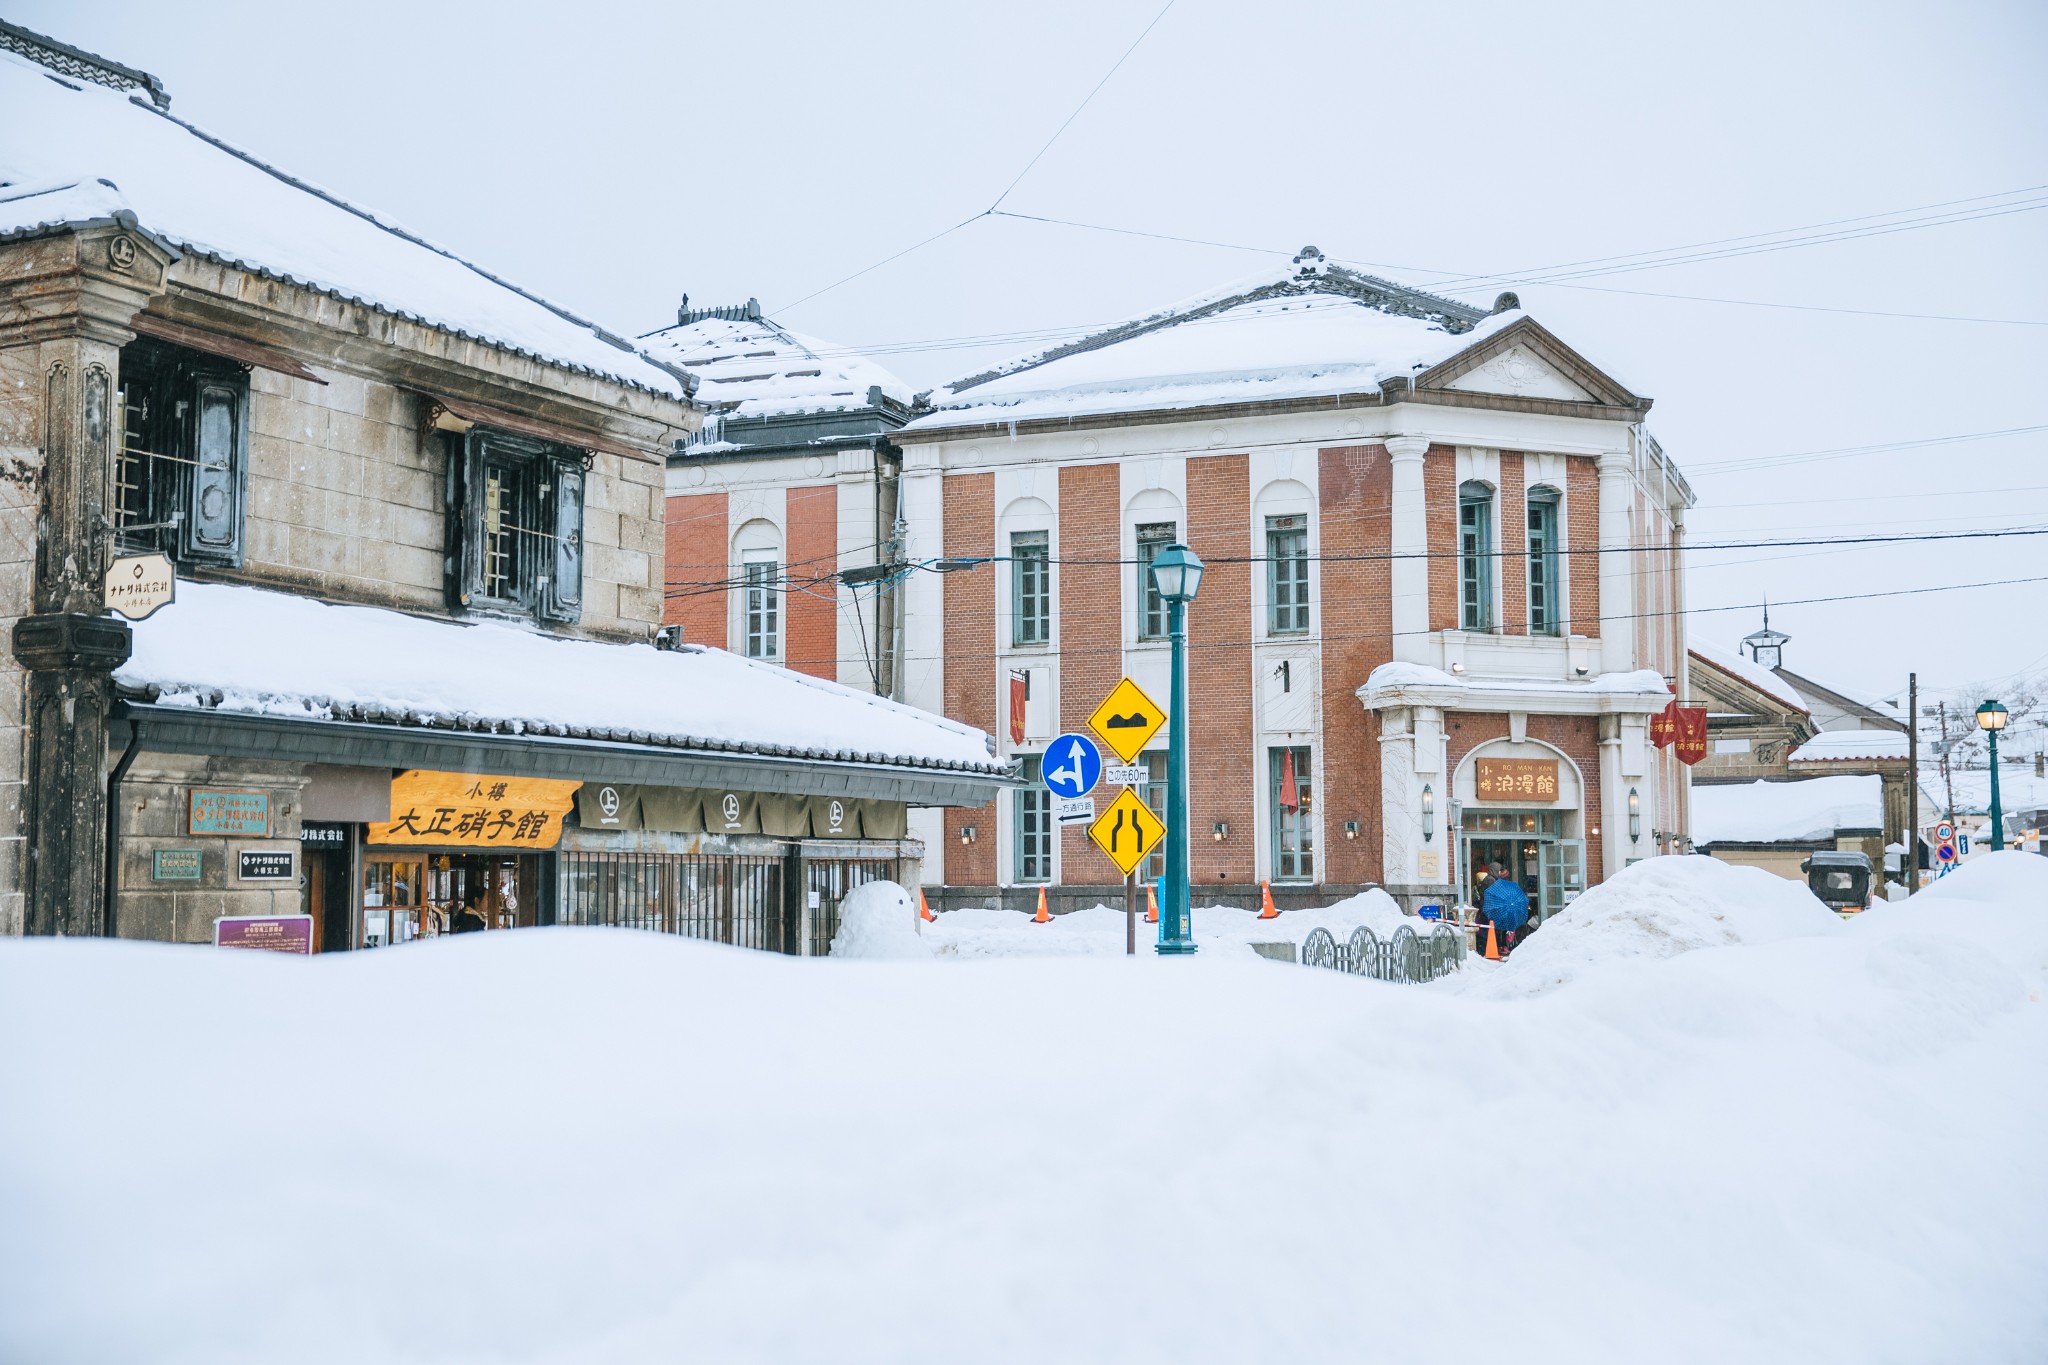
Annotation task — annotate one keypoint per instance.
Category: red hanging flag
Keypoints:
(1664, 725)
(1020, 693)
(1691, 745)
(1290, 799)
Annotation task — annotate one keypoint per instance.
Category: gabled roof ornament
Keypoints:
(1310, 264)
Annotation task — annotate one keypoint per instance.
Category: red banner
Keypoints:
(1020, 689)
(1691, 744)
(1664, 725)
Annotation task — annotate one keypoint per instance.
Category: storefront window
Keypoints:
(1293, 808)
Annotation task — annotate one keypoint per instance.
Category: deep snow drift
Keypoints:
(592, 1145)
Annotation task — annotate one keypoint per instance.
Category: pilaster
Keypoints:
(1617, 564)
(1409, 542)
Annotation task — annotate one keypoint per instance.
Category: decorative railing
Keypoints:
(1406, 956)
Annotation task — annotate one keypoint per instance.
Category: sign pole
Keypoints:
(1131, 914)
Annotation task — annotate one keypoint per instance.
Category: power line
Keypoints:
(1845, 452)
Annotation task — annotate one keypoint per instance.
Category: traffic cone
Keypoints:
(1266, 910)
(1151, 903)
(924, 911)
(1492, 943)
(1041, 917)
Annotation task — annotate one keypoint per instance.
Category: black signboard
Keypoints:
(263, 865)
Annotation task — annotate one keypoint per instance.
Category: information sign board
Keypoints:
(269, 933)
(234, 813)
(265, 865)
(137, 586)
(175, 865)
(1127, 774)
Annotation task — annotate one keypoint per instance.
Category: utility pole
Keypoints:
(1910, 862)
(1948, 780)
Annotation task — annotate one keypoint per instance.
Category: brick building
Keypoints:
(1443, 561)
(412, 518)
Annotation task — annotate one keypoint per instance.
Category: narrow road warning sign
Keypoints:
(1128, 831)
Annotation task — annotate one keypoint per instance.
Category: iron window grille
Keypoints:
(516, 513)
(1033, 824)
(1152, 616)
(1030, 588)
(181, 463)
(763, 608)
(1546, 601)
(1287, 574)
(1294, 840)
(1475, 556)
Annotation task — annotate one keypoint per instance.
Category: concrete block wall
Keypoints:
(155, 814)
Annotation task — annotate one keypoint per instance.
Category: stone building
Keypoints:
(1443, 562)
(414, 524)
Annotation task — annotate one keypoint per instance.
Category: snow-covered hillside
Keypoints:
(1732, 1130)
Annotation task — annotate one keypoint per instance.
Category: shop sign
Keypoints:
(834, 819)
(269, 933)
(242, 814)
(324, 835)
(469, 810)
(175, 865)
(1430, 865)
(265, 865)
(1515, 779)
(138, 585)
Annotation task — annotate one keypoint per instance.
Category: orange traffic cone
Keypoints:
(924, 911)
(1492, 944)
(1266, 910)
(1151, 903)
(1041, 917)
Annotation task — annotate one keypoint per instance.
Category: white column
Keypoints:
(1414, 853)
(1617, 565)
(922, 667)
(1409, 574)
(1624, 767)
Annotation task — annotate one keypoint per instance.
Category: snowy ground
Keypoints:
(1703, 1123)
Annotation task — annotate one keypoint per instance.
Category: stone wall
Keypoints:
(155, 815)
(21, 462)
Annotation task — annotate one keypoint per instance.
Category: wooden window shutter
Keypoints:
(468, 506)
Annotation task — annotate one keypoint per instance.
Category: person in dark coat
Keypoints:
(471, 917)
(1506, 906)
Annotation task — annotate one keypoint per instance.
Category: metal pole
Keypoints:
(1912, 839)
(1997, 815)
(1175, 931)
(1131, 913)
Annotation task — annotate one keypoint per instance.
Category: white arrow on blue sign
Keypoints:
(1072, 766)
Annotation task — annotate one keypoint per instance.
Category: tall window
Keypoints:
(1034, 824)
(179, 470)
(1475, 556)
(516, 516)
(1030, 588)
(1152, 538)
(1287, 574)
(1546, 601)
(1293, 805)
(763, 589)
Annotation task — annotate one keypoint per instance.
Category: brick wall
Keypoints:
(1091, 629)
(970, 641)
(1582, 532)
(813, 614)
(1226, 783)
(1440, 513)
(1578, 736)
(697, 554)
(1355, 493)
(1513, 510)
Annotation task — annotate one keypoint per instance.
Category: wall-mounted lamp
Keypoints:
(1596, 831)
(966, 834)
(1635, 815)
(1457, 667)
(1221, 831)
(1428, 812)
(1351, 829)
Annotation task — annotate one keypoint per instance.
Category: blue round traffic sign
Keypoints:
(1071, 767)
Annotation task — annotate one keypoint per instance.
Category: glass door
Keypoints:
(394, 893)
(1564, 876)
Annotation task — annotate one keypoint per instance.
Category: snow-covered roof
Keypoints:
(1750, 672)
(753, 367)
(1798, 811)
(1833, 746)
(247, 650)
(1311, 329)
(196, 192)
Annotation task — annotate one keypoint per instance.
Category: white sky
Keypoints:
(615, 156)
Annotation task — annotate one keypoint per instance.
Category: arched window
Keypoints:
(1475, 555)
(1546, 586)
(759, 547)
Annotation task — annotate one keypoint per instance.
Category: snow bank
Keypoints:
(1098, 931)
(878, 920)
(595, 1145)
(1660, 907)
(1803, 809)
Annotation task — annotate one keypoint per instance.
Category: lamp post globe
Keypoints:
(1177, 575)
(1992, 717)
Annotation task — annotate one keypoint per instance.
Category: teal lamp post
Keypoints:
(1177, 574)
(1992, 717)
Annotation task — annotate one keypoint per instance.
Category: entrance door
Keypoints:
(1564, 876)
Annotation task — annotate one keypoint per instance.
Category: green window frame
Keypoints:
(763, 608)
(1030, 588)
(1287, 575)
(1153, 537)
(1293, 832)
(1032, 828)
(1546, 585)
(1475, 556)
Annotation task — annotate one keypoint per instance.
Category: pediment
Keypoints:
(1525, 361)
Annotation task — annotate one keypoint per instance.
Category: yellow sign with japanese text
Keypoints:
(471, 810)
(1127, 720)
(1128, 831)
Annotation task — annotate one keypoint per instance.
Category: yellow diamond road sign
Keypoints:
(1127, 831)
(1127, 720)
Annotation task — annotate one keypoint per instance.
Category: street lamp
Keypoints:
(1177, 574)
(1992, 717)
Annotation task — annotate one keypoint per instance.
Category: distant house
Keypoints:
(1777, 825)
